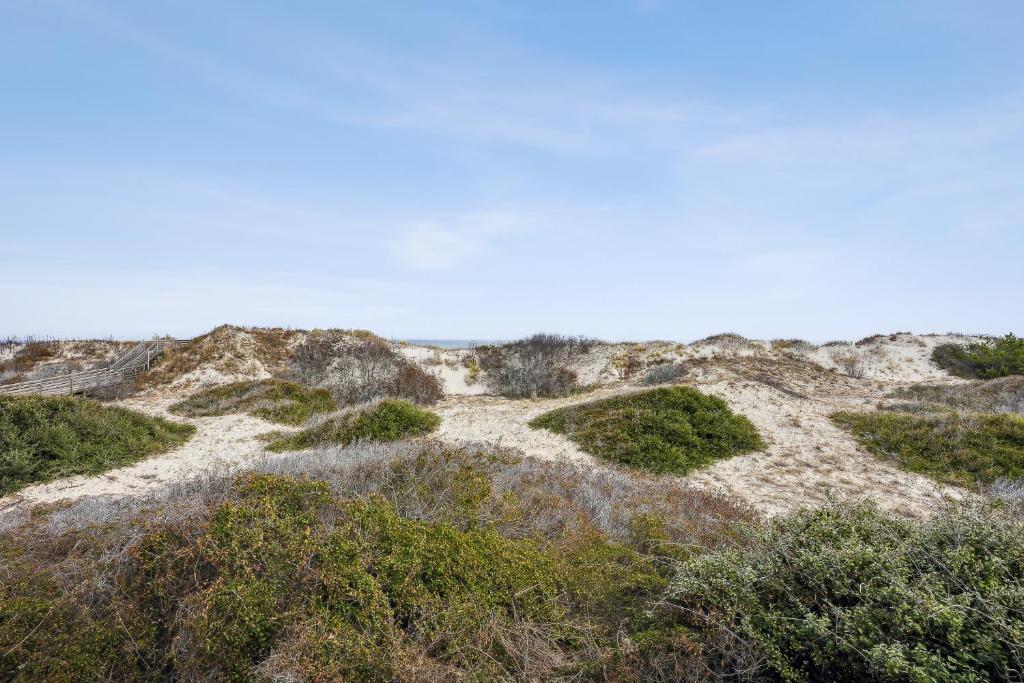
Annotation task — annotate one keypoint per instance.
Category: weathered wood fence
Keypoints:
(125, 368)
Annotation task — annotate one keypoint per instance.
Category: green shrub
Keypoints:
(286, 579)
(847, 593)
(388, 420)
(675, 429)
(46, 438)
(967, 449)
(996, 358)
(274, 400)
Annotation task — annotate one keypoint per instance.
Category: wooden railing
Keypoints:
(133, 363)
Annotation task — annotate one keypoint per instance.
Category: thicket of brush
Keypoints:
(274, 400)
(537, 366)
(982, 360)
(671, 429)
(46, 438)
(426, 564)
(361, 367)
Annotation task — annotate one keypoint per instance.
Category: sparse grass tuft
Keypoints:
(47, 438)
(966, 449)
(668, 430)
(274, 400)
(1003, 395)
(387, 420)
(984, 360)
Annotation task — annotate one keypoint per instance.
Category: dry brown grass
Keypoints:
(231, 349)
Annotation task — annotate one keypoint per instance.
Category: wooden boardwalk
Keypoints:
(125, 368)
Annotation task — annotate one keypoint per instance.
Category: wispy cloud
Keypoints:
(431, 247)
(443, 245)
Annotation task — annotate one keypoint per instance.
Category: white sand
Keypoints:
(447, 366)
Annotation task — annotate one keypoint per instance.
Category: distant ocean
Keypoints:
(453, 343)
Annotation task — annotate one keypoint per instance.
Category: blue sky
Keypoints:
(631, 169)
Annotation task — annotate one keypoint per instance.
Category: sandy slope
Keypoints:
(787, 393)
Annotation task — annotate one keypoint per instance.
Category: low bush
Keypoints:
(793, 345)
(362, 367)
(985, 360)
(848, 593)
(675, 430)
(850, 364)
(966, 449)
(537, 366)
(46, 438)
(664, 373)
(387, 420)
(274, 400)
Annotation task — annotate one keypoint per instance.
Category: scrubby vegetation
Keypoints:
(274, 400)
(963, 448)
(227, 349)
(985, 360)
(728, 341)
(663, 373)
(360, 367)
(846, 593)
(676, 429)
(429, 565)
(537, 366)
(31, 358)
(793, 345)
(387, 420)
(25, 358)
(46, 438)
(426, 563)
(1003, 395)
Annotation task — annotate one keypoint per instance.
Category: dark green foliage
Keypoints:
(967, 449)
(996, 358)
(46, 438)
(847, 593)
(387, 420)
(274, 400)
(674, 429)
